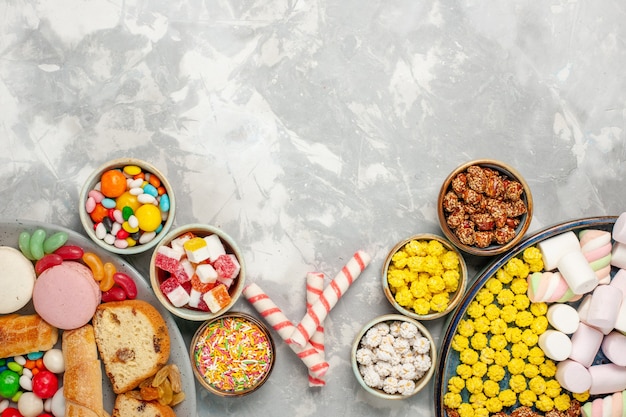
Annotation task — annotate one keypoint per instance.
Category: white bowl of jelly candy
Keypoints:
(126, 206)
(197, 272)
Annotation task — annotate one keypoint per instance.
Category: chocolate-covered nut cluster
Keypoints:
(484, 207)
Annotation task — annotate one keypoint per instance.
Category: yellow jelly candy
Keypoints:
(132, 170)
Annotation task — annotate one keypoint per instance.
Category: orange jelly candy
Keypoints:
(113, 183)
(98, 213)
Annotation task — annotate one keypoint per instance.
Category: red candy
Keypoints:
(225, 266)
(70, 252)
(127, 284)
(166, 263)
(11, 412)
(169, 285)
(48, 261)
(45, 384)
(114, 294)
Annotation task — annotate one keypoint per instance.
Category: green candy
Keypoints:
(24, 244)
(36, 243)
(9, 383)
(54, 242)
(127, 212)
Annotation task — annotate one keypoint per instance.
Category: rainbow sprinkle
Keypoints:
(232, 354)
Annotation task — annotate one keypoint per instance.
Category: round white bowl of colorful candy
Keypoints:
(197, 272)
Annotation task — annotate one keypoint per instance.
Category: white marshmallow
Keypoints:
(619, 229)
(573, 376)
(604, 306)
(583, 312)
(620, 322)
(619, 281)
(607, 379)
(555, 345)
(577, 272)
(613, 347)
(618, 255)
(563, 317)
(585, 344)
(554, 248)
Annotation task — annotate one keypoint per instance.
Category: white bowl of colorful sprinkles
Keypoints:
(232, 355)
(126, 206)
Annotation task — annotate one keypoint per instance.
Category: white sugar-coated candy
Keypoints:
(4, 404)
(619, 229)
(614, 348)
(120, 243)
(563, 317)
(555, 345)
(604, 307)
(216, 248)
(26, 383)
(47, 405)
(118, 216)
(577, 272)
(146, 199)
(618, 255)
(136, 183)
(147, 237)
(607, 379)
(133, 221)
(116, 228)
(30, 405)
(573, 376)
(53, 361)
(101, 231)
(136, 191)
(109, 239)
(57, 407)
(585, 344)
(20, 360)
(554, 248)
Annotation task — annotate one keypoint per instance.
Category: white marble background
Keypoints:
(310, 129)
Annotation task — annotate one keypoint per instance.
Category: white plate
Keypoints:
(9, 234)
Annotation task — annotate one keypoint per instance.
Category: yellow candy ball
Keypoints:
(149, 217)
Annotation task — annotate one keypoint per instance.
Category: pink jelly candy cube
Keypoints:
(227, 266)
(166, 260)
(174, 292)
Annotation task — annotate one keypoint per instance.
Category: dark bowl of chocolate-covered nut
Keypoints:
(485, 207)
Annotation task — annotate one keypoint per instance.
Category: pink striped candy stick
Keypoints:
(284, 327)
(314, 288)
(328, 299)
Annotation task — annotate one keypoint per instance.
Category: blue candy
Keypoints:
(33, 356)
(108, 203)
(151, 190)
(164, 203)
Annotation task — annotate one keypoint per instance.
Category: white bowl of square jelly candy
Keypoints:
(197, 272)
(126, 206)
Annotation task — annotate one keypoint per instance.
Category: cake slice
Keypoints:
(127, 405)
(133, 342)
